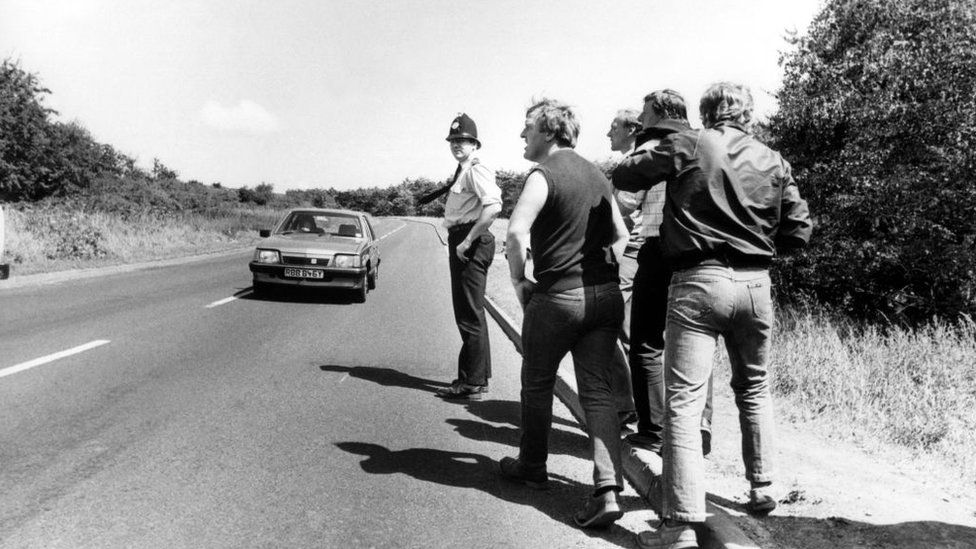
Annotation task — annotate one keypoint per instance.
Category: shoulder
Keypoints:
(479, 169)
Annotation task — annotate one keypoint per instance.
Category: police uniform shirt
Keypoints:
(474, 189)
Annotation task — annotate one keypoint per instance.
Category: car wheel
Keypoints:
(363, 288)
(260, 288)
(373, 276)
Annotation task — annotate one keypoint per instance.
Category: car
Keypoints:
(318, 248)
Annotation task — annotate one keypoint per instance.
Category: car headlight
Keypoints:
(267, 256)
(346, 261)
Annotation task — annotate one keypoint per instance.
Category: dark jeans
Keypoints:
(649, 305)
(468, 295)
(585, 322)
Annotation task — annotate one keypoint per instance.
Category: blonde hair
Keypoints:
(630, 118)
(726, 102)
(557, 118)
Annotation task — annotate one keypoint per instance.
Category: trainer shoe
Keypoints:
(600, 511)
(463, 391)
(677, 536)
(645, 442)
(761, 500)
(513, 469)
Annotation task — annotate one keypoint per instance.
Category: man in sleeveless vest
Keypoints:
(568, 216)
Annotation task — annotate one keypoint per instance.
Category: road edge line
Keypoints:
(40, 361)
(641, 468)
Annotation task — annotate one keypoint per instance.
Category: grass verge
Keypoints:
(54, 238)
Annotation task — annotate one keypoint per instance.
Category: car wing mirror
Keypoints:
(265, 233)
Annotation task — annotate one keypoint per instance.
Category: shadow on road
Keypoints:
(300, 295)
(386, 376)
(830, 532)
(468, 470)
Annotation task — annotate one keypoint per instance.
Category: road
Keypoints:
(192, 414)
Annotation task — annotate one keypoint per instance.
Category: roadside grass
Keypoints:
(53, 238)
(899, 393)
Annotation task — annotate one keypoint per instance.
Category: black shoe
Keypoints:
(513, 469)
(463, 391)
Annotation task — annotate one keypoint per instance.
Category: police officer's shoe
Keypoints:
(463, 391)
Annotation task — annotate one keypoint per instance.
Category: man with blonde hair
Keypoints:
(567, 213)
(730, 204)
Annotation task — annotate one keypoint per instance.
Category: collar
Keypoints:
(662, 129)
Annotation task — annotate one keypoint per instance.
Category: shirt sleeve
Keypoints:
(483, 185)
(645, 168)
(629, 202)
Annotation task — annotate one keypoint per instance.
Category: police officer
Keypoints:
(474, 200)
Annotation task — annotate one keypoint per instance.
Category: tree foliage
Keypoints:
(878, 118)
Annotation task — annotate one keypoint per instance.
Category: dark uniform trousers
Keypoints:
(468, 280)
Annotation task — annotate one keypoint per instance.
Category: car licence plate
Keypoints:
(304, 273)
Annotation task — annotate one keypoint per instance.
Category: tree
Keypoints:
(25, 134)
(877, 116)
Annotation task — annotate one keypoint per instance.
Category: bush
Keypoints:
(878, 119)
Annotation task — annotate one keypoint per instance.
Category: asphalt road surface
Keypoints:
(170, 407)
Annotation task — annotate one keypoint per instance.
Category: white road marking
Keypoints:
(391, 232)
(228, 299)
(51, 358)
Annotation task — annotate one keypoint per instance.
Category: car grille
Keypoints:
(293, 260)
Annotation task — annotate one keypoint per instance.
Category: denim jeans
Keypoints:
(650, 302)
(704, 303)
(468, 281)
(584, 322)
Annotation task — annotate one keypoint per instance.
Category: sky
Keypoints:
(361, 93)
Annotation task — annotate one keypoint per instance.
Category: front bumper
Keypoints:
(351, 279)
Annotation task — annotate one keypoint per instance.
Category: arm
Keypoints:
(795, 226)
(483, 184)
(620, 233)
(643, 169)
(530, 203)
(629, 202)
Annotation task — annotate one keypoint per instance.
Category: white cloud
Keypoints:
(246, 116)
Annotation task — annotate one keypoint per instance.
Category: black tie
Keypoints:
(430, 197)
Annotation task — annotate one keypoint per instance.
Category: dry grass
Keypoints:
(894, 390)
(53, 239)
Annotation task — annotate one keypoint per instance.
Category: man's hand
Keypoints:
(462, 250)
(523, 290)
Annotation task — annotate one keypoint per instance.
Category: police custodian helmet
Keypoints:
(463, 128)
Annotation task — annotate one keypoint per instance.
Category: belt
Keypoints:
(460, 227)
(721, 260)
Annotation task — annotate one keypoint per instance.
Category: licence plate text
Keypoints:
(304, 273)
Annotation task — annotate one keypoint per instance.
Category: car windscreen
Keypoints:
(320, 223)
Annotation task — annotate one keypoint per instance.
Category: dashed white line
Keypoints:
(391, 232)
(51, 358)
(220, 302)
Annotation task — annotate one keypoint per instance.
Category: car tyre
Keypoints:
(373, 275)
(260, 289)
(360, 296)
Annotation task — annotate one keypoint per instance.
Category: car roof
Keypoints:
(326, 211)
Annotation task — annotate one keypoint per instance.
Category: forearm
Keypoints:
(516, 250)
(484, 221)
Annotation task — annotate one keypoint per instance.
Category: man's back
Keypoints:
(572, 234)
(733, 198)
